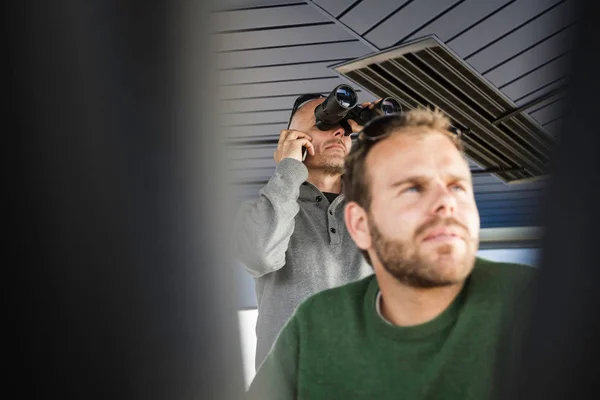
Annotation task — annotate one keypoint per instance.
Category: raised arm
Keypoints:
(263, 227)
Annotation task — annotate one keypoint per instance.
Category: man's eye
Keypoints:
(412, 189)
(458, 188)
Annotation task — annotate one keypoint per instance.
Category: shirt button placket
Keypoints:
(334, 235)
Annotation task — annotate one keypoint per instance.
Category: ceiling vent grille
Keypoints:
(497, 135)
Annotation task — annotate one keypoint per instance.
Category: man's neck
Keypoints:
(325, 182)
(404, 305)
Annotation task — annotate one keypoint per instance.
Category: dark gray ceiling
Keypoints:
(271, 51)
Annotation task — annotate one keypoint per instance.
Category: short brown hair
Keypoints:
(355, 184)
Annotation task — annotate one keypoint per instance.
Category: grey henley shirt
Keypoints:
(295, 244)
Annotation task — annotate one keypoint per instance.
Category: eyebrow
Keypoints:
(423, 179)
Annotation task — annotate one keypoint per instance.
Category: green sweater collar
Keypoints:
(417, 332)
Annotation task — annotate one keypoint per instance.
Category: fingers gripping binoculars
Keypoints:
(341, 105)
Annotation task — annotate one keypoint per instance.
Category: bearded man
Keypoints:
(434, 321)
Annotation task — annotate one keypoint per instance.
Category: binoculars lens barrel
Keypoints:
(341, 104)
(335, 107)
(346, 96)
(389, 105)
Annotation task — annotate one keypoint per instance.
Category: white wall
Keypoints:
(247, 322)
(519, 256)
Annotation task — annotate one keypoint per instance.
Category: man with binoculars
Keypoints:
(293, 239)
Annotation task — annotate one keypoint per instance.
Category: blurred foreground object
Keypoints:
(114, 289)
(561, 351)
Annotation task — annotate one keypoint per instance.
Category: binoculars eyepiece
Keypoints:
(341, 105)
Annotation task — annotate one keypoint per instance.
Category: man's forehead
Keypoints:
(307, 109)
(411, 140)
(408, 153)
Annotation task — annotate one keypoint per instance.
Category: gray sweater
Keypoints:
(295, 244)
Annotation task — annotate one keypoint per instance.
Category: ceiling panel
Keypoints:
(249, 131)
(549, 112)
(542, 28)
(545, 102)
(255, 4)
(280, 37)
(540, 91)
(485, 179)
(254, 90)
(251, 173)
(257, 162)
(333, 52)
(258, 117)
(497, 25)
(335, 7)
(252, 152)
(536, 78)
(368, 13)
(459, 18)
(406, 21)
(253, 105)
(279, 73)
(272, 103)
(262, 18)
(532, 58)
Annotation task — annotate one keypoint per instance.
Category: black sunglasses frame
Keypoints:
(300, 100)
(367, 135)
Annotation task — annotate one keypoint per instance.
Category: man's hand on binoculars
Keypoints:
(355, 126)
(290, 145)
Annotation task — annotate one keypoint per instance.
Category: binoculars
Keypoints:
(341, 105)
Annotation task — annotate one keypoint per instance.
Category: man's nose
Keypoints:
(445, 203)
(339, 131)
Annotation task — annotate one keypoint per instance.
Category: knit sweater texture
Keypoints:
(337, 346)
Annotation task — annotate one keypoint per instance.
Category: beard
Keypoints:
(402, 260)
(331, 164)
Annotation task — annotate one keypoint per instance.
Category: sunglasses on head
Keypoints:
(383, 126)
(300, 101)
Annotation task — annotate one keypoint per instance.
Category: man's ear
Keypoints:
(357, 223)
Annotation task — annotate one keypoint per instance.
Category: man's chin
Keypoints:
(334, 168)
(452, 266)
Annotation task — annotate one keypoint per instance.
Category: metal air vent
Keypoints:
(497, 135)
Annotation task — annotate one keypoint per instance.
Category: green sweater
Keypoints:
(337, 346)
